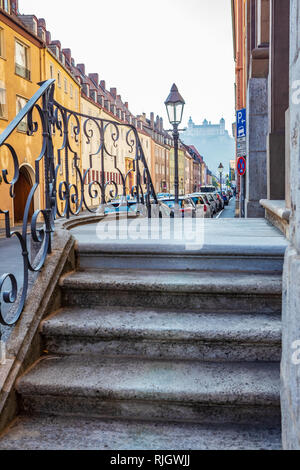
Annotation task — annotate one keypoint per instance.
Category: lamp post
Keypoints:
(220, 169)
(175, 104)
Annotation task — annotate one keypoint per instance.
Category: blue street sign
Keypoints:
(241, 123)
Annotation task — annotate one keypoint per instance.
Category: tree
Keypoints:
(215, 182)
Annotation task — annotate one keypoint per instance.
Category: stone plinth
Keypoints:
(257, 128)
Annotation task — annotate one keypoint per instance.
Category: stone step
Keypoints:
(61, 433)
(160, 333)
(140, 389)
(191, 244)
(206, 292)
(224, 258)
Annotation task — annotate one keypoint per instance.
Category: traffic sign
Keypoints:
(241, 123)
(241, 166)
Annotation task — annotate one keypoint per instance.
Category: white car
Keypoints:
(202, 206)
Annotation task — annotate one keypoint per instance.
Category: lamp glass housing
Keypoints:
(175, 112)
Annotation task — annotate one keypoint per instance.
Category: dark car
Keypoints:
(225, 198)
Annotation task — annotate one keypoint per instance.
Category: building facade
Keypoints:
(28, 56)
(20, 51)
(268, 31)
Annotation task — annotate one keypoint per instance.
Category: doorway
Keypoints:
(22, 189)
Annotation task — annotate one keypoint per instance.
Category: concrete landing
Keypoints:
(203, 233)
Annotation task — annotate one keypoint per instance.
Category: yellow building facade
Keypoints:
(25, 60)
(20, 71)
(67, 93)
(118, 154)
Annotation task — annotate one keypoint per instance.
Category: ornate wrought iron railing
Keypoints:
(64, 183)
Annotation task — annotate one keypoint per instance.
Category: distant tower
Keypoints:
(205, 122)
(190, 124)
(222, 126)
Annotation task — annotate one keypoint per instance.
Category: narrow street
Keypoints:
(228, 212)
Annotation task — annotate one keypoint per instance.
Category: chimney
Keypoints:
(157, 123)
(48, 38)
(126, 105)
(95, 78)
(113, 92)
(81, 67)
(152, 120)
(161, 125)
(42, 23)
(68, 55)
(102, 84)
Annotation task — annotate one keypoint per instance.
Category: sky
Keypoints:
(142, 47)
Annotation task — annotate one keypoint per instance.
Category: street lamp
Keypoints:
(175, 104)
(220, 169)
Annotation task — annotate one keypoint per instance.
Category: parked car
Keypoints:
(225, 198)
(212, 202)
(209, 203)
(119, 206)
(186, 206)
(200, 201)
(161, 210)
(218, 202)
(221, 201)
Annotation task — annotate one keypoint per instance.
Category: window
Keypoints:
(66, 85)
(1, 42)
(22, 60)
(71, 90)
(2, 100)
(51, 71)
(20, 103)
(59, 79)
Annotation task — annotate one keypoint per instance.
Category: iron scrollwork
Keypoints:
(69, 185)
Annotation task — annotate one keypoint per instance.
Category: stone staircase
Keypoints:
(150, 357)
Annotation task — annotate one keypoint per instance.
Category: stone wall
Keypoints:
(290, 366)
